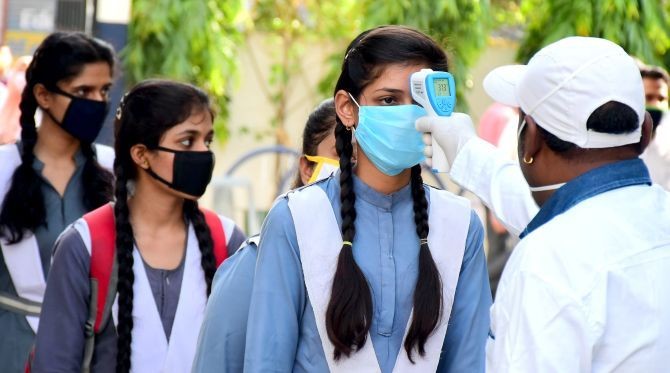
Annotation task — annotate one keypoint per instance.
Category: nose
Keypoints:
(200, 146)
(98, 96)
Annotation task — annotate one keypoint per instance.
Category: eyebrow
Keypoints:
(194, 132)
(390, 90)
(89, 87)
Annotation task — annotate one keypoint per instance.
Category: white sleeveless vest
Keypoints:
(23, 258)
(151, 350)
(320, 241)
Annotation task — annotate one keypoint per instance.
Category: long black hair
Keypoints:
(349, 312)
(320, 123)
(150, 109)
(60, 56)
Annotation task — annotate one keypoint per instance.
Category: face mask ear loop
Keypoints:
(355, 102)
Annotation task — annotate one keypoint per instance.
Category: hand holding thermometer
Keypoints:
(436, 92)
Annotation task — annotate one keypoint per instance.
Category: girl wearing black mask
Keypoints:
(51, 177)
(162, 249)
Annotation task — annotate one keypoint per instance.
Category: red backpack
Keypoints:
(104, 274)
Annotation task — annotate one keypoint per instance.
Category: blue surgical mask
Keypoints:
(388, 137)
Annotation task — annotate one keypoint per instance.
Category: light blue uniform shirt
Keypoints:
(281, 333)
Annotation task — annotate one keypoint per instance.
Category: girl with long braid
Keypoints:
(164, 245)
(371, 270)
(53, 175)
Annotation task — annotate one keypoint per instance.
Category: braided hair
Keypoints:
(60, 56)
(349, 312)
(150, 109)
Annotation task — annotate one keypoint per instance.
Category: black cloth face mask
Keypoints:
(83, 118)
(191, 171)
(656, 116)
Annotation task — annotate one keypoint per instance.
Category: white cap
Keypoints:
(565, 82)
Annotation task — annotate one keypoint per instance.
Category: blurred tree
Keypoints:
(641, 27)
(188, 40)
(460, 26)
(289, 26)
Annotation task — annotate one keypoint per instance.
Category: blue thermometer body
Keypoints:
(436, 92)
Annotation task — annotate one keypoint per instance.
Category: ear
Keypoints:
(532, 139)
(306, 170)
(42, 96)
(139, 154)
(345, 108)
(647, 132)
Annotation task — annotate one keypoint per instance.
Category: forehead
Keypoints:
(199, 120)
(651, 83)
(395, 75)
(97, 73)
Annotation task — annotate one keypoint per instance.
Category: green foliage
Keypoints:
(187, 40)
(460, 26)
(641, 27)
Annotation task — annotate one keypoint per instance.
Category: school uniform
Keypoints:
(222, 339)
(168, 307)
(300, 241)
(24, 266)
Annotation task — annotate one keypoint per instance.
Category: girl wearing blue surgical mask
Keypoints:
(53, 176)
(130, 280)
(371, 270)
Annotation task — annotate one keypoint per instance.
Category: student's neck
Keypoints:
(154, 209)
(377, 180)
(53, 143)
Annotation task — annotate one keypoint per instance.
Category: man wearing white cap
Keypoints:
(587, 289)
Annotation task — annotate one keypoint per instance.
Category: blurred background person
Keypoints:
(498, 127)
(10, 112)
(657, 155)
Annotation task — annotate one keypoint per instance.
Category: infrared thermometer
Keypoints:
(436, 92)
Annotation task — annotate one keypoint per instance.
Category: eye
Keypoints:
(208, 142)
(105, 92)
(187, 142)
(388, 100)
(80, 92)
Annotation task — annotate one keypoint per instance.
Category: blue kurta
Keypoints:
(282, 336)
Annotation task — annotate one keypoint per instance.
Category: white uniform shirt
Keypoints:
(589, 290)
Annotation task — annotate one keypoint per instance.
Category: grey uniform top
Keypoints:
(60, 339)
(60, 212)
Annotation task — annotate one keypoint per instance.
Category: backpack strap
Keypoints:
(103, 275)
(218, 235)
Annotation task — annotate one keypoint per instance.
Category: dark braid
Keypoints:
(428, 290)
(124, 258)
(23, 207)
(205, 242)
(349, 312)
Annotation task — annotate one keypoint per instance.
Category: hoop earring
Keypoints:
(528, 161)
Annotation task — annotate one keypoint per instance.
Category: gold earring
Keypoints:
(528, 161)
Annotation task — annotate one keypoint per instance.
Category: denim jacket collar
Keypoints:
(600, 180)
